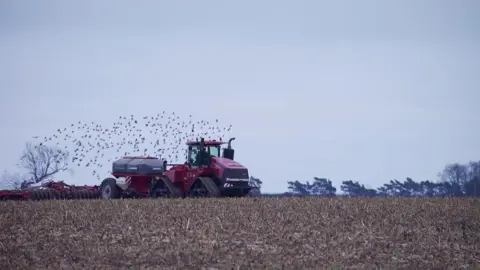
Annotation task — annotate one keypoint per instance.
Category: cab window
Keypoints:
(193, 155)
(214, 151)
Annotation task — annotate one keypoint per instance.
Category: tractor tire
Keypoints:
(209, 184)
(109, 189)
(173, 191)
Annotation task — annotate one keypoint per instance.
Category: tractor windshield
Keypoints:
(213, 150)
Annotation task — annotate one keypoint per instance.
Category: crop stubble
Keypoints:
(291, 233)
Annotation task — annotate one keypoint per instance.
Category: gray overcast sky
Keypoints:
(364, 90)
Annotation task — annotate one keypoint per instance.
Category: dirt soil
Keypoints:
(247, 233)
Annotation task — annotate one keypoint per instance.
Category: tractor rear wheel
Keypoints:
(204, 187)
(109, 189)
(163, 187)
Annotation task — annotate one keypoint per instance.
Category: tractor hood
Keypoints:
(230, 170)
(227, 163)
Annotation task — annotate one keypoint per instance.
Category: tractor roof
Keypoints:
(206, 142)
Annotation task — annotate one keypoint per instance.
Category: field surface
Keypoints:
(247, 233)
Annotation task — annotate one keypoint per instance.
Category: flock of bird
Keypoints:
(163, 135)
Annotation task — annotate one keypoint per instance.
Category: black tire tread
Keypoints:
(213, 190)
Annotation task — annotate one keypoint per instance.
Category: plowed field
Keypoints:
(247, 233)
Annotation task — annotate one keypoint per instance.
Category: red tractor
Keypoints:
(206, 173)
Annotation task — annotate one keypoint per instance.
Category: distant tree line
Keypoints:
(455, 180)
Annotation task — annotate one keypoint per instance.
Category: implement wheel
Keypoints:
(109, 189)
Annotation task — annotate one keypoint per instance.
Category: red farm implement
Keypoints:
(52, 191)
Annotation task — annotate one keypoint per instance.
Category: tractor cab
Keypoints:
(200, 153)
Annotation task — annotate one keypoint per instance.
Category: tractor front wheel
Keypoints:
(109, 189)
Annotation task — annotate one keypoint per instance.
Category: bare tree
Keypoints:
(42, 162)
(473, 170)
(12, 180)
(455, 173)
